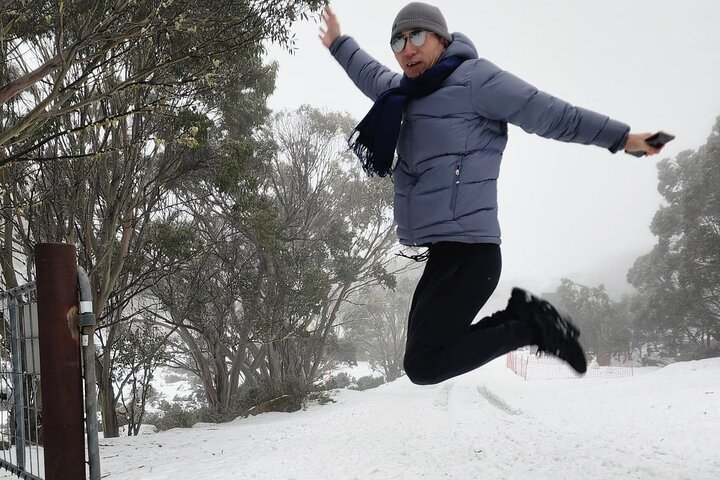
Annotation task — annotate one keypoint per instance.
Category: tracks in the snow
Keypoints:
(497, 402)
(442, 399)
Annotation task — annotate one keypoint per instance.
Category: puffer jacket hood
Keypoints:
(461, 46)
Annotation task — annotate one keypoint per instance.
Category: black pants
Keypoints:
(441, 342)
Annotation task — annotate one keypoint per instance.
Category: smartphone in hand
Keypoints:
(657, 140)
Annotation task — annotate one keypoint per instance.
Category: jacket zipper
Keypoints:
(455, 185)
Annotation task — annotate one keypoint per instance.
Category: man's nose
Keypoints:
(409, 49)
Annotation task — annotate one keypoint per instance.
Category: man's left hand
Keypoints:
(636, 143)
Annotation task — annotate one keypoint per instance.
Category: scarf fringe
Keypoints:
(367, 157)
(419, 258)
(375, 138)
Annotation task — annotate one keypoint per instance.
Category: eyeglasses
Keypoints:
(417, 38)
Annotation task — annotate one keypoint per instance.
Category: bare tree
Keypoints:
(377, 326)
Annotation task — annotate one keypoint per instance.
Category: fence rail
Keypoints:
(21, 450)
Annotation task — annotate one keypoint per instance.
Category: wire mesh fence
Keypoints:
(21, 452)
(530, 366)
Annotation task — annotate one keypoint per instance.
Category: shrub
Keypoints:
(341, 380)
(367, 382)
(173, 416)
(322, 398)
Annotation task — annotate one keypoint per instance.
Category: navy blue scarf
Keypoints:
(376, 136)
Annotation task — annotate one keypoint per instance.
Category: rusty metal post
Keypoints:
(62, 400)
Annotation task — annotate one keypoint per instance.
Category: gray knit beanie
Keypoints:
(421, 15)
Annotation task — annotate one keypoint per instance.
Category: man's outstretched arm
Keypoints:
(369, 75)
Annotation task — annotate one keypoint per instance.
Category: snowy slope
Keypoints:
(489, 424)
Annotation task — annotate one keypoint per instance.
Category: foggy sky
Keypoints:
(565, 210)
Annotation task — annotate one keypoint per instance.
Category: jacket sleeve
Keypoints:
(370, 76)
(500, 95)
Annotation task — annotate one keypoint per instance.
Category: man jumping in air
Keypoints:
(447, 117)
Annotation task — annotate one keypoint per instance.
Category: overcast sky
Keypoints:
(565, 210)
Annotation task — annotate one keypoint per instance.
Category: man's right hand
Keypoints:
(330, 28)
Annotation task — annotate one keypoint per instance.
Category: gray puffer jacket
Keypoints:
(451, 141)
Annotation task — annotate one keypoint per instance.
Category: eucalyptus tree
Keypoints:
(289, 234)
(680, 276)
(336, 232)
(606, 332)
(60, 56)
(107, 107)
(376, 325)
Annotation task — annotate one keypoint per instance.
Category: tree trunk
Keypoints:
(106, 391)
(6, 249)
(106, 401)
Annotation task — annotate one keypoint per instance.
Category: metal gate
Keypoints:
(48, 414)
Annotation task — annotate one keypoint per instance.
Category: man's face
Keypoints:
(413, 59)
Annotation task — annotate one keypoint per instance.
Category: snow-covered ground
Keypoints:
(659, 424)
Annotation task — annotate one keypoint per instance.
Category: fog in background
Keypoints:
(565, 210)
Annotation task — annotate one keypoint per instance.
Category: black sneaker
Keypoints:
(554, 333)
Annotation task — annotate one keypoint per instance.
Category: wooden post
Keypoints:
(60, 374)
